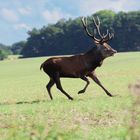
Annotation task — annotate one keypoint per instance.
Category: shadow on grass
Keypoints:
(23, 102)
(42, 101)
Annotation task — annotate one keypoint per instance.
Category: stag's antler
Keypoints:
(97, 24)
(108, 37)
(104, 38)
(84, 21)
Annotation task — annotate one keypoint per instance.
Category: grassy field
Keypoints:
(26, 112)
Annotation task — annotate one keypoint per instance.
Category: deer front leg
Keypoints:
(96, 80)
(84, 89)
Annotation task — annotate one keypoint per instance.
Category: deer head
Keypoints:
(102, 43)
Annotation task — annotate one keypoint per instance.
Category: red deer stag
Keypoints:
(82, 65)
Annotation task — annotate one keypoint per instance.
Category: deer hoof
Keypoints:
(81, 91)
(70, 98)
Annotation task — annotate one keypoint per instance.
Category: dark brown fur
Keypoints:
(77, 66)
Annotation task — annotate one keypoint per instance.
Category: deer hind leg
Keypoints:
(96, 80)
(84, 89)
(49, 85)
(59, 86)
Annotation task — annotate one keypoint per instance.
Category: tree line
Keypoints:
(4, 51)
(68, 36)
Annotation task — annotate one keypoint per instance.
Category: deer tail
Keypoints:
(41, 66)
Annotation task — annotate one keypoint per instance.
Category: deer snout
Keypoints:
(114, 51)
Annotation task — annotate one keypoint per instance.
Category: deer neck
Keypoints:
(93, 58)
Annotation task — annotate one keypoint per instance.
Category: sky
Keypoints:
(17, 17)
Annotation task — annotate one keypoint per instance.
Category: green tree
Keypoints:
(17, 47)
(69, 37)
(4, 51)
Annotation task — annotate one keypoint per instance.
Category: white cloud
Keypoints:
(22, 26)
(54, 15)
(91, 6)
(9, 15)
(25, 10)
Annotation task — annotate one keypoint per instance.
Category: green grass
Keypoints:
(26, 112)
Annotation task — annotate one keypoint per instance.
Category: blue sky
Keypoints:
(19, 16)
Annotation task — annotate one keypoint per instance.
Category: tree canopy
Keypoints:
(68, 36)
(4, 51)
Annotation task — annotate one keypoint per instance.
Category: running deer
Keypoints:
(80, 66)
